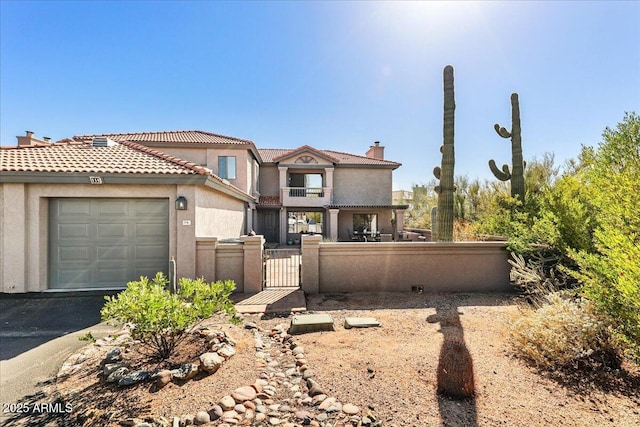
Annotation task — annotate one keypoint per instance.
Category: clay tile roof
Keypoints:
(181, 136)
(81, 157)
(304, 149)
(269, 201)
(272, 155)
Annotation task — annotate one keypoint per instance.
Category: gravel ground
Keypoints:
(388, 371)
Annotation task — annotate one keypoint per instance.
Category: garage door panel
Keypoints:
(118, 208)
(74, 278)
(110, 231)
(150, 252)
(74, 207)
(113, 253)
(151, 208)
(149, 230)
(74, 254)
(99, 243)
(73, 231)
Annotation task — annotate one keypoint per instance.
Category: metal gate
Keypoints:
(281, 268)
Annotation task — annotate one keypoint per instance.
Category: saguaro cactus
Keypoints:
(444, 172)
(517, 163)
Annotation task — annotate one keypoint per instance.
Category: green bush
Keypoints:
(610, 273)
(559, 333)
(161, 319)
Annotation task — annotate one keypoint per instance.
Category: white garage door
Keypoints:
(105, 243)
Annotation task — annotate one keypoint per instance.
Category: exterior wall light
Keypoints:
(181, 203)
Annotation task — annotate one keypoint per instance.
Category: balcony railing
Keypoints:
(306, 196)
(305, 192)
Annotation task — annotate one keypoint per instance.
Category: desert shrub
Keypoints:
(561, 332)
(161, 319)
(610, 273)
(455, 370)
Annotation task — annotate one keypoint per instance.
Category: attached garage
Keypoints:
(104, 243)
(96, 215)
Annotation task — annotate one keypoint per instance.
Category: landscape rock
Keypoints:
(242, 394)
(227, 403)
(201, 417)
(163, 377)
(211, 362)
(226, 351)
(134, 378)
(117, 375)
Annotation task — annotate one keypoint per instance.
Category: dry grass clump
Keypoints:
(560, 332)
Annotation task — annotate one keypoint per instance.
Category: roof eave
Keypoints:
(107, 178)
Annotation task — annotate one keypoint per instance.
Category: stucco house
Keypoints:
(97, 211)
(307, 190)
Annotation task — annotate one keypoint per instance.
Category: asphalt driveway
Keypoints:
(38, 332)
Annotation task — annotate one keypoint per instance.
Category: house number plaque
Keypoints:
(95, 179)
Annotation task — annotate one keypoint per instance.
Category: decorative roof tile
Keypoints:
(272, 155)
(125, 157)
(269, 201)
(181, 136)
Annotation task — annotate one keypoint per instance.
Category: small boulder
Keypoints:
(134, 378)
(163, 377)
(242, 394)
(227, 403)
(114, 355)
(117, 375)
(210, 362)
(226, 351)
(201, 417)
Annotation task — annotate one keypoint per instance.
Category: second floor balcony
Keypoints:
(306, 196)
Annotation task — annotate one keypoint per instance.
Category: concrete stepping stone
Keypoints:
(360, 322)
(303, 323)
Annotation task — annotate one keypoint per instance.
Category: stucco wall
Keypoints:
(242, 155)
(269, 180)
(399, 266)
(218, 215)
(356, 186)
(230, 264)
(24, 225)
(194, 155)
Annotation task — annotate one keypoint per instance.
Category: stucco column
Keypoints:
(186, 233)
(329, 182)
(283, 176)
(284, 226)
(250, 212)
(252, 248)
(206, 258)
(311, 264)
(399, 223)
(333, 224)
(15, 258)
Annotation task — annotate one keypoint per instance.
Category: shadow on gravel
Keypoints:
(584, 378)
(91, 406)
(455, 376)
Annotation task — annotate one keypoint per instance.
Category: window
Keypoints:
(227, 167)
(362, 222)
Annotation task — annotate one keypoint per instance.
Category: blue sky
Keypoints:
(334, 75)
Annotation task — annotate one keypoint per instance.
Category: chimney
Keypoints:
(47, 139)
(26, 141)
(31, 141)
(376, 151)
